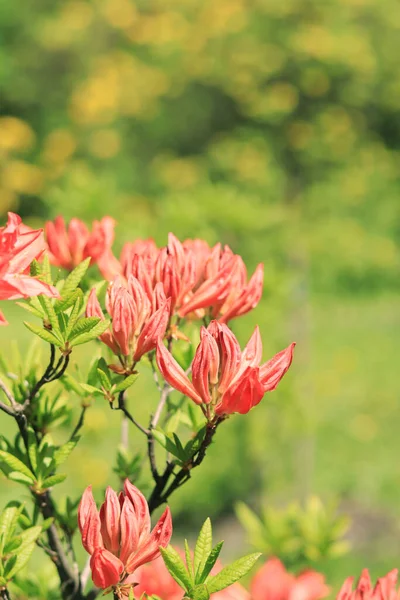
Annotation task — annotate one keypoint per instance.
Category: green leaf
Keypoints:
(71, 384)
(83, 325)
(126, 383)
(90, 389)
(19, 477)
(203, 547)
(45, 334)
(74, 278)
(16, 465)
(232, 573)
(95, 331)
(32, 309)
(32, 449)
(51, 314)
(22, 559)
(74, 316)
(53, 480)
(176, 567)
(210, 562)
(104, 379)
(67, 301)
(166, 442)
(30, 535)
(189, 562)
(8, 521)
(62, 453)
(200, 592)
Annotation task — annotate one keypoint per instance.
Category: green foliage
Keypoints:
(194, 577)
(299, 536)
(16, 546)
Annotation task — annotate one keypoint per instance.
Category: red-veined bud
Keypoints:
(230, 354)
(153, 330)
(247, 299)
(205, 365)
(273, 370)
(150, 549)
(141, 301)
(123, 320)
(89, 522)
(130, 530)
(140, 506)
(110, 513)
(93, 309)
(106, 568)
(174, 374)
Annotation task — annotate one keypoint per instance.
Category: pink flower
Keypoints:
(385, 588)
(19, 246)
(199, 279)
(137, 322)
(225, 289)
(68, 248)
(223, 377)
(273, 582)
(118, 537)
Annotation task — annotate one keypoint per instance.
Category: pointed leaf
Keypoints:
(15, 464)
(45, 334)
(176, 567)
(126, 383)
(62, 453)
(94, 332)
(210, 562)
(53, 480)
(203, 547)
(232, 573)
(22, 559)
(74, 278)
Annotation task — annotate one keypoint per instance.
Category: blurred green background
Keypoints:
(273, 126)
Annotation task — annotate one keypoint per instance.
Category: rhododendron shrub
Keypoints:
(134, 313)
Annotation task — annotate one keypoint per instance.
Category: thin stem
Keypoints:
(9, 397)
(46, 374)
(4, 594)
(121, 406)
(80, 423)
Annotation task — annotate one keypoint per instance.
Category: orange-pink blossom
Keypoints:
(199, 279)
(273, 582)
(19, 246)
(384, 589)
(118, 537)
(68, 247)
(137, 322)
(224, 378)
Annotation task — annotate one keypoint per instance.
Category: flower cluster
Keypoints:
(200, 280)
(224, 379)
(118, 537)
(19, 246)
(385, 588)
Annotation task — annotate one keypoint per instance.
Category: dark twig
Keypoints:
(161, 492)
(80, 423)
(4, 594)
(121, 406)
